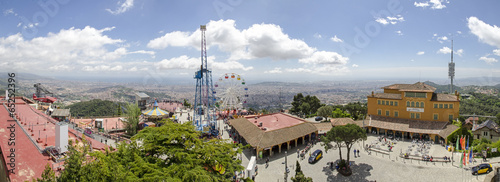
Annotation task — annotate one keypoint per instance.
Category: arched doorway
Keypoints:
(374, 130)
(425, 137)
(381, 132)
(284, 147)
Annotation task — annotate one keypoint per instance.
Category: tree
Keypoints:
(305, 105)
(133, 113)
(339, 113)
(498, 118)
(119, 110)
(346, 136)
(172, 152)
(299, 175)
(48, 175)
(186, 104)
(296, 103)
(325, 112)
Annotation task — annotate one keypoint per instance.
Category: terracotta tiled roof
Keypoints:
(448, 129)
(341, 121)
(386, 96)
(416, 87)
(471, 120)
(257, 137)
(323, 127)
(407, 125)
(444, 97)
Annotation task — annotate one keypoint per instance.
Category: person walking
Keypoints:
(354, 152)
(358, 154)
(267, 162)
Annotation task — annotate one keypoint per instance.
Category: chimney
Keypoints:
(373, 95)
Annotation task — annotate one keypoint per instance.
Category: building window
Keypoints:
(407, 103)
(440, 106)
(412, 104)
(379, 112)
(418, 104)
(450, 117)
(387, 113)
(446, 106)
(415, 94)
(392, 103)
(436, 116)
(383, 102)
(396, 114)
(418, 115)
(421, 104)
(412, 115)
(451, 106)
(436, 106)
(485, 133)
(378, 102)
(396, 103)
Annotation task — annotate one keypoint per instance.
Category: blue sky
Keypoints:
(260, 40)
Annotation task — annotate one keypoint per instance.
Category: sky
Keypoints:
(260, 40)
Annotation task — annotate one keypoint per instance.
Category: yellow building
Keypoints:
(412, 111)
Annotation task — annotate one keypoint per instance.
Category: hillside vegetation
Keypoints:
(95, 108)
(480, 104)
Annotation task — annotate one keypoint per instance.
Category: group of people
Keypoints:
(356, 151)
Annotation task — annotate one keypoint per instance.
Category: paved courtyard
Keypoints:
(368, 167)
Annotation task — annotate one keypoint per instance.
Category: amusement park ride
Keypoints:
(204, 103)
(231, 92)
(42, 94)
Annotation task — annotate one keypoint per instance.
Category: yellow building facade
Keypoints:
(415, 104)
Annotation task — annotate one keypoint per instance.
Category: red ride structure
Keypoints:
(42, 94)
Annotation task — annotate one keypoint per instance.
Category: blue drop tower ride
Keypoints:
(204, 117)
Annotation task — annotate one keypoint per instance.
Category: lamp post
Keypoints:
(286, 168)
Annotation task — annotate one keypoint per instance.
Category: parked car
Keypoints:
(318, 118)
(316, 156)
(481, 169)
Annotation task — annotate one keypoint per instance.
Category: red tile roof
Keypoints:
(29, 162)
(40, 129)
(444, 97)
(341, 121)
(416, 87)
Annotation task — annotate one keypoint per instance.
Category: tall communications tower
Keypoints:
(451, 69)
(204, 101)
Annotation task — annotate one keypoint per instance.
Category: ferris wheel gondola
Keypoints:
(231, 92)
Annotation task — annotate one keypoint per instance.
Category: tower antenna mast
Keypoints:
(451, 68)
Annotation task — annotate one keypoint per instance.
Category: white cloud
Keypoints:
(185, 62)
(436, 4)
(325, 58)
(355, 65)
(444, 50)
(496, 52)
(256, 42)
(421, 4)
(390, 19)
(420, 53)
(382, 21)
(434, 35)
(298, 70)
(274, 71)
(19, 24)
(447, 50)
(133, 69)
(122, 7)
(116, 68)
(459, 32)
(8, 12)
(486, 33)
(442, 38)
(399, 32)
(336, 39)
(60, 68)
(317, 35)
(84, 49)
(488, 60)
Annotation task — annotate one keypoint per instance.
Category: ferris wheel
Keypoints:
(231, 92)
